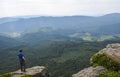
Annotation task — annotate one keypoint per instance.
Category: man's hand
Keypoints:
(24, 58)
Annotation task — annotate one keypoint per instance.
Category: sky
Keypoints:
(10, 8)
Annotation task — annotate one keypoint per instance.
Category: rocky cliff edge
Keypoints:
(106, 63)
(36, 71)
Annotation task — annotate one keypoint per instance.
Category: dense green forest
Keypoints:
(62, 44)
(62, 58)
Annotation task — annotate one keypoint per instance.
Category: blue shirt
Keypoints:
(20, 56)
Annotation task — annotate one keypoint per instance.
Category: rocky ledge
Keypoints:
(36, 71)
(90, 72)
(106, 63)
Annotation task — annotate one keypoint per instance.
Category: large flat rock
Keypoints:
(113, 51)
(90, 72)
(36, 71)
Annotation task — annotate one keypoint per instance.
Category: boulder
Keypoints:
(113, 51)
(36, 71)
(90, 72)
(105, 62)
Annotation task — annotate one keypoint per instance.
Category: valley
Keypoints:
(62, 44)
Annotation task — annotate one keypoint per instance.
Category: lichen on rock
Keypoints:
(106, 58)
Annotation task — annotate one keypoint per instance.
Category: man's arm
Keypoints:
(24, 58)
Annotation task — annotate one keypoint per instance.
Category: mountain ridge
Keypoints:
(22, 24)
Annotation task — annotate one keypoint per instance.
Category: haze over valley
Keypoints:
(85, 27)
(64, 44)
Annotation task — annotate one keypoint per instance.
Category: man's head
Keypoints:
(20, 50)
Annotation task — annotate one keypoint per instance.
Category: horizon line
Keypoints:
(32, 16)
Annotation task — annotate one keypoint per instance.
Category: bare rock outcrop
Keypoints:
(90, 72)
(36, 71)
(113, 51)
(107, 59)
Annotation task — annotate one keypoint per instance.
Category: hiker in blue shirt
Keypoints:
(21, 60)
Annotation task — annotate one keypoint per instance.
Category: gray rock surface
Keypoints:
(113, 51)
(36, 71)
(89, 72)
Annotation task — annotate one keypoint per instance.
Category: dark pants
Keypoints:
(22, 66)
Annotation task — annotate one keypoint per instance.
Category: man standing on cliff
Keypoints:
(21, 60)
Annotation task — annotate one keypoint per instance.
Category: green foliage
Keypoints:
(26, 75)
(62, 58)
(110, 74)
(100, 59)
(6, 75)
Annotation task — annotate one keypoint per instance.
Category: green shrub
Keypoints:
(109, 74)
(6, 75)
(26, 75)
(100, 59)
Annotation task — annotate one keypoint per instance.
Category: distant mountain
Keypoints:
(38, 22)
(109, 29)
(59, 43)
(117, 15)
(71, 23)
(8, 19)
(34, 29)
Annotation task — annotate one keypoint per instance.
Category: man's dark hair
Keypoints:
(20, 50)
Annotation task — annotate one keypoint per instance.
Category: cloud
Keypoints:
(58, 7)
(14, 34)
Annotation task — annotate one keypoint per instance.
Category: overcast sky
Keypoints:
(58, 7)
